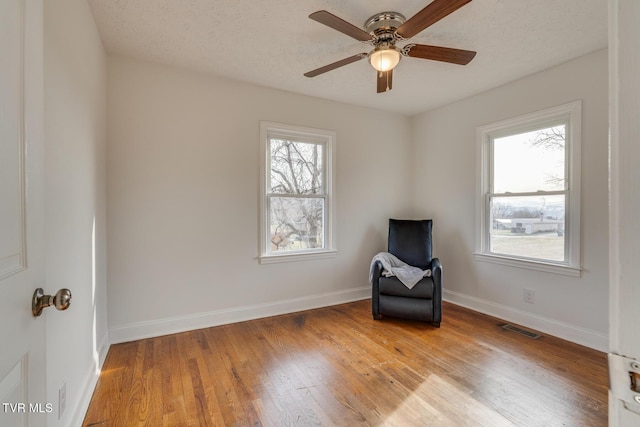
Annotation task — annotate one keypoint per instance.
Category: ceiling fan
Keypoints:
(384, 30)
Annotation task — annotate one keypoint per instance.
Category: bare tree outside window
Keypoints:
(552, 139)
(297, 195)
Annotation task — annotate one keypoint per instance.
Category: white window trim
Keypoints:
(572, 111)
(328, 139)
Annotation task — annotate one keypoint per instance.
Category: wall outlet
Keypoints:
(530, 296)
(62, 399)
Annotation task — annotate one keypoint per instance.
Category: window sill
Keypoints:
(297, 256)
(530, 265)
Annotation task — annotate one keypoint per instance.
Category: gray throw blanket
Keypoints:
(392, 266)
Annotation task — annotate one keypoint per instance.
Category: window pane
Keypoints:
(296, 167)
(296, 223)
(531, 227)
(530, 161)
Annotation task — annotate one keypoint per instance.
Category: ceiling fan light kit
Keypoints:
(383, 30)
(384, 58)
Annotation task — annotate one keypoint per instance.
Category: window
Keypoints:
(529, 195)
(296, 193)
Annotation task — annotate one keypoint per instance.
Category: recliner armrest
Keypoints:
(375, 291)
(436, 273)
(436, 268)
(377, 271)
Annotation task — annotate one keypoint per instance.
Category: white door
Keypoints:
(624, 317)
(22, 349)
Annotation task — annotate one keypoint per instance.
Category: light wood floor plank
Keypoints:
(337, 366)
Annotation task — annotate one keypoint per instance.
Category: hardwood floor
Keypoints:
(337, 366)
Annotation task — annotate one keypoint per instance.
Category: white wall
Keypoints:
(75, 143)
(183, 199)
(445, 185)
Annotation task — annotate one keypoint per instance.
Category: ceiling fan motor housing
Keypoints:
(383, 25)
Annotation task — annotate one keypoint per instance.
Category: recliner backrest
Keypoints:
(410, 240)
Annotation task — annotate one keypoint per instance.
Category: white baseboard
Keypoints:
(573, 333)
(140, 330)
(90, 382)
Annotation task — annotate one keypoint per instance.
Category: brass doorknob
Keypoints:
(61, 300)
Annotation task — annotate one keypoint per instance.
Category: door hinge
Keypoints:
(624, 380)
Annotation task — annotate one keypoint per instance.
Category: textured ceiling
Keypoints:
(273, 43)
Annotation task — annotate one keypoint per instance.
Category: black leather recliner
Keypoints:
(410, 241)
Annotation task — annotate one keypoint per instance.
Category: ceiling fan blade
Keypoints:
(435, 11)
(330, 20)
(438, 53)
(384, 80)
(335, 65)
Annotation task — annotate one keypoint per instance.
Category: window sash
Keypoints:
(505, 133)
(303, 140)
(538, 194)
(322, 224)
